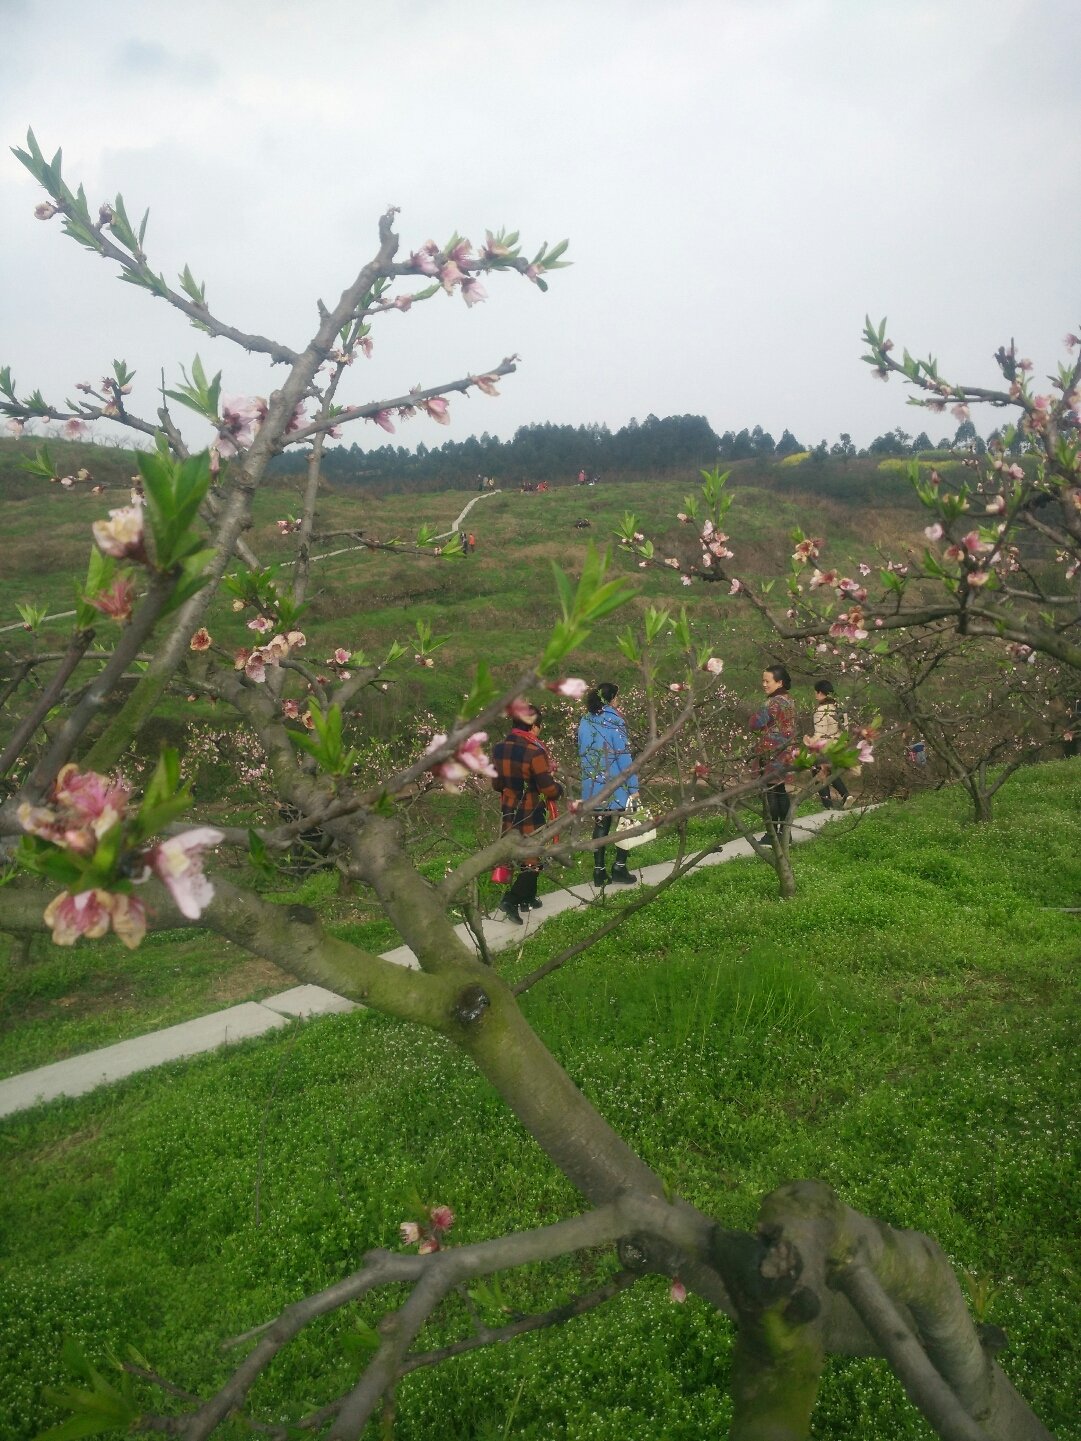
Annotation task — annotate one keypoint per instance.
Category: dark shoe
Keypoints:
(510, 912)
(535, 904)
(600, 878)
(766, 840)
(621, 876)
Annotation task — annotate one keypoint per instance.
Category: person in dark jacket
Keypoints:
(605, 755)
(526, 785)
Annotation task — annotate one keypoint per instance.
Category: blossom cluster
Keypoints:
(427, 1235)
(85, 809)
(468, 760)
(254, 662)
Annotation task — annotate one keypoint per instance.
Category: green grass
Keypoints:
(905, 1029)
(65, 1001)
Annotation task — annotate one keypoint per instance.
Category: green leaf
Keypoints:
(483, 690)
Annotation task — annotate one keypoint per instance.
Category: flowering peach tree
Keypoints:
(1000, 568)
(88, 853)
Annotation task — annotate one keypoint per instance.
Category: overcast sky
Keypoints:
(740, 180)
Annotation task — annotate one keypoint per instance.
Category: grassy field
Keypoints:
(58, 1002)
(905, 1029)
(500, 602)
(497, 605)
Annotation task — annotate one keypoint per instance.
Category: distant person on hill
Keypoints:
(581, 477)
(828, 723)
(470, 543)
(774, 725)
(526, 784)
(605, 754)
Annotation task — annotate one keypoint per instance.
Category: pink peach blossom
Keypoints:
(424, 260)
(473, 291)
(116, 601)
(437, 408)
(441, 1217)
(450, 276)
(122, 536)
(822, 577)
(571, 687)
(241, 418)
(178, 863)
(129, 920)
(89, 913)
(469, 759)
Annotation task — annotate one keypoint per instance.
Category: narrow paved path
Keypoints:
(80, 1074)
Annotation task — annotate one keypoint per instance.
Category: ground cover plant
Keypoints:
(903, 1028)
(104, 851)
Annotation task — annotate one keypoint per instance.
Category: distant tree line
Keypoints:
(546, 451)
(537, 452)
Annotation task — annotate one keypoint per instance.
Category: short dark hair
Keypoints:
(600, 696)
(823, 687)
(780, 672)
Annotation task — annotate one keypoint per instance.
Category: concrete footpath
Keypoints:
(80, 1074)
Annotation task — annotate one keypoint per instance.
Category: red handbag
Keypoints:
(501, 875)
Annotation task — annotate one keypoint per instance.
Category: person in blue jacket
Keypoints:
(605, 754)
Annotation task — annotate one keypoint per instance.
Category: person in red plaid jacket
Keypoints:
(775, 727)
(526, 785)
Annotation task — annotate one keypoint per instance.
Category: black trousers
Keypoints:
(778, 803)
(834, 783)
(602, 826)
(523, 888)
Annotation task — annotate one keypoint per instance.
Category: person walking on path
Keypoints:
(774, 725)
(605, 754)
(828, 723)
(526, 785)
